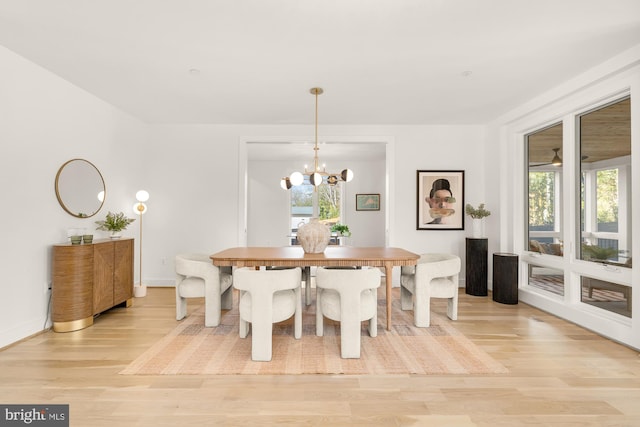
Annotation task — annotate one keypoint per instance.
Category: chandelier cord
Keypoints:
(315, 157)
(316, 175)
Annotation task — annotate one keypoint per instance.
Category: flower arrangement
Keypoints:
(342, 229)
(477, 213)
(114, 222)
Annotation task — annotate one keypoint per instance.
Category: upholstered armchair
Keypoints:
(350, 297)
(197, 277)
(435, 276)
(267, 297)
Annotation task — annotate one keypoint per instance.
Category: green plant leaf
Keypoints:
(477, 213)
(114, 222)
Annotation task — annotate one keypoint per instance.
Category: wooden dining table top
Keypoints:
(251, 256)
(333, 256)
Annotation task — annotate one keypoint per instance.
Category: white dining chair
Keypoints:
(306, 278)
(349, 296)
(197, 277)
(267, 297)
(435, 276)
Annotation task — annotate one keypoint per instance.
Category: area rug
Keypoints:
(192, 349)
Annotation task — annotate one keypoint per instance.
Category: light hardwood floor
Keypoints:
(560, 375)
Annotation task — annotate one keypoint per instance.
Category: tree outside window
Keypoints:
(541, 201)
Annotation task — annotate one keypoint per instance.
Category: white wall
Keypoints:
(367, 227)
(190, 173)
(45, 121)
(435, 148)
(268, 218)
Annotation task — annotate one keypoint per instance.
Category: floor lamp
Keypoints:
(140, 209)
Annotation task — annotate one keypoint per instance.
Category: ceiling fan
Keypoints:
(555, 161)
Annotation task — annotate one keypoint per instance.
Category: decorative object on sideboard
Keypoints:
(114, 223)
(314, 236)
(477, 215)
(140, 208)
(77, 235)
(317, 174)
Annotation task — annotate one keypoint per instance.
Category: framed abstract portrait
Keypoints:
(440, 200)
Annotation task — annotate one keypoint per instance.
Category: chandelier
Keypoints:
(316, 175)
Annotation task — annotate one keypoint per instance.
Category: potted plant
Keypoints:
(477, 214)
(341, 229)
(598, 253)
(114, 223)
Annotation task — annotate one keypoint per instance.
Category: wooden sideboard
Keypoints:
(89, 279)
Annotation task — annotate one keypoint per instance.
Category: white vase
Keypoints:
(116, 234)
(314, 236)
(477, 228)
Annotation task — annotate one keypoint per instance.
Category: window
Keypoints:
(605, 193)
(542, 212)
(607, 295)
(302, 204)
(605, 203)
(576, 227)
(324, 203)
(544, 225)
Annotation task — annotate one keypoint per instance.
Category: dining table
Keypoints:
(333, 256)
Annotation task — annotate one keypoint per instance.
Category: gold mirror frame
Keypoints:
(78, 185)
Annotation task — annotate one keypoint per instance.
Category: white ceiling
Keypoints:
(379, 61)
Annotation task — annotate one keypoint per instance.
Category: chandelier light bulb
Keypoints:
(285, 183)
(315, 179)
(296, 178)
(346, 175)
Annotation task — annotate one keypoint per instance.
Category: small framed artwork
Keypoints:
(440, 200)
(367, 202)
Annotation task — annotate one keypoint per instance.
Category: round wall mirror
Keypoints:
(80, 188)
